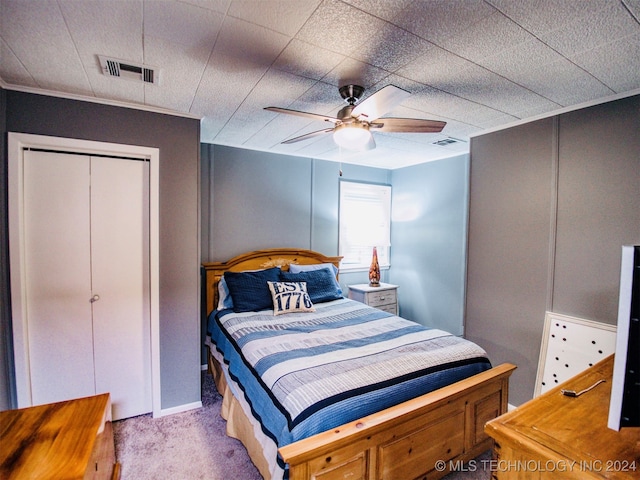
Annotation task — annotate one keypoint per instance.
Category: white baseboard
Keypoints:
(510, 407)
(180, 408)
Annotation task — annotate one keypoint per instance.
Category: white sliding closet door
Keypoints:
(86, 239)
(57, 261)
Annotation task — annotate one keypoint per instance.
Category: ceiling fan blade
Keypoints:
(406, 125)
(381, 102)
(312, 116)
(308, 135)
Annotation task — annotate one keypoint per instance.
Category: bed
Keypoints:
(308, 406)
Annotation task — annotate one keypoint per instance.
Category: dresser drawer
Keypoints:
(383, 297)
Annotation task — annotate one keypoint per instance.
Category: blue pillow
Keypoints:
(249, 290)
(321, 285)
(295, 268)
(290, 298)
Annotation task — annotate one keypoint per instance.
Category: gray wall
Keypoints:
(551, 204)
(178, 140)
(428, 241)
(598, 206)
(259, 200)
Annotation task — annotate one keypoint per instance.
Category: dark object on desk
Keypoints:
(625, 392)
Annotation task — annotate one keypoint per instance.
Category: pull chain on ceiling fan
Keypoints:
(354, 123)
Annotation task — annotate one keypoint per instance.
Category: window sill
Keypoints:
(361, 269)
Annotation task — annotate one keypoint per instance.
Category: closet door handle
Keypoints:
(95, 298)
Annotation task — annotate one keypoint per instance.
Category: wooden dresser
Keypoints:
(62, 441)
(561, 437)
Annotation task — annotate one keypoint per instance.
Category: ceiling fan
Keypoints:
(354, 123)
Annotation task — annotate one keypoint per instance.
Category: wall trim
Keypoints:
(86, 98)
(560, 111)
(179, 409)
(553, 214)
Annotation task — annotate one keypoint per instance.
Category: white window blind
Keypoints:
(365, 222)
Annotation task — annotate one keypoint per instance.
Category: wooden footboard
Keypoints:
(415, 439)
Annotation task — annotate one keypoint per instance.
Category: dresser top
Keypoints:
(53, 440)
(574, 428)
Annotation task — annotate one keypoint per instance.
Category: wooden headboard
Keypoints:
(274, 257)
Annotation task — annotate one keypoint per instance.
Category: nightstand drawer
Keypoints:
(384, 297)
(391, 308)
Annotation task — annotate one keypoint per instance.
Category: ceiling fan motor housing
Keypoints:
(351, 93)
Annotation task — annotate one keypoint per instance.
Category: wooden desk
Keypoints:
(62, 441)
(560, 437)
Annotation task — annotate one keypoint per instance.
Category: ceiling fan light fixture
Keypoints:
(352, 136)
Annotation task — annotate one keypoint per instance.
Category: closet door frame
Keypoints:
(17, 143)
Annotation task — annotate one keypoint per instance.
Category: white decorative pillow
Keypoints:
(224, 297)
(289, 297)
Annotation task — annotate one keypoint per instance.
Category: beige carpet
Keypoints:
(193, 445)
(185, 446)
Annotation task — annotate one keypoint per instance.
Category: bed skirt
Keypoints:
(241, 425)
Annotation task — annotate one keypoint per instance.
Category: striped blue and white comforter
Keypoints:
(304, 373)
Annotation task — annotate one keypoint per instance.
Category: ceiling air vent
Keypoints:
(444, 142)
(113, 67)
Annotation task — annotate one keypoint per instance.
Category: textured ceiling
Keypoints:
(475, 64)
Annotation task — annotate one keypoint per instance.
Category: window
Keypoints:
(365, 222)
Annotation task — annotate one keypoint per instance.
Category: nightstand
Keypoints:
(384, 297)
